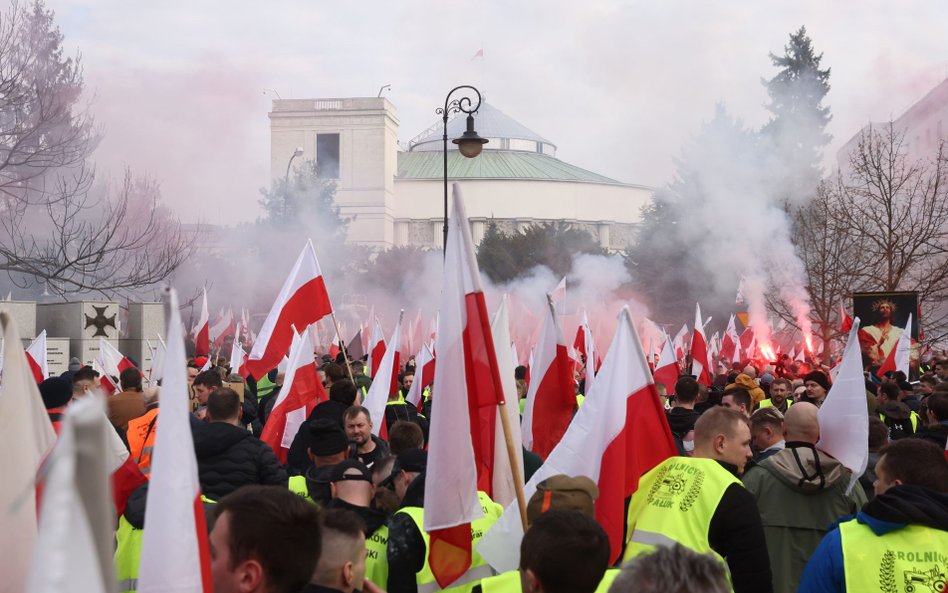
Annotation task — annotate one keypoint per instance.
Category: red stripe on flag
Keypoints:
(35, 368)
(306, 306)
(306, 391)
(485, 391)
(200, 527)
(378, 351)
(645, 441)
(125, 480)
(202, 343)
(554, 404)
(450, 554)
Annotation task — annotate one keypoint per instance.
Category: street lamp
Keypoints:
(286, 179)
(469, 144)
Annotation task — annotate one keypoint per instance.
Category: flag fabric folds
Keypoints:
(618, 434)
(27, 435)
(301, 391)
(376, 347)
(898, 357)
(202, 331)
(468, 388)
(424, 376)
(36, 356)
(381, 388)
(667, 370)
(302, 301)
(174, 554)
(504, 490)
(700, 367)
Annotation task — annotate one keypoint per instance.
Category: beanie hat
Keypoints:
(56, 391)
(74, 364)
(563, 493)
(326, 438)
(819, 378)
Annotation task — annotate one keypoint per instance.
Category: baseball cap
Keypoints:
(341, 471)
(563, 493)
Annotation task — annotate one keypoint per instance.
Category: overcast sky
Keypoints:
(178, 86)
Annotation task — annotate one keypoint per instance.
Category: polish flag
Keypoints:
(238, 359)
(354, 346)
(550, 398)
(424, 376)
(843, 417)
(559, 293)
(845, 321)
(302, 301)
(667, 370)
(175, 546)
(468, 387)
(36, 357)
(113, 361)
(27, 435)
(700, 367)
(384, 383)
(801, 357)
(747, 340)
(376, 347)
(898, 358)
(224, 326)
(73, 550)
(618, 434)
(106, 384)
(585, 343)
(679, 342)
(301, 391)
(530, 363)
(504, 488)
(202, 340)
(334, 349)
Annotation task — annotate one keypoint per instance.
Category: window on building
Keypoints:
(327, 156)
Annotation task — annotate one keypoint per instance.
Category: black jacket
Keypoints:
(373, 518)
(737, 534)
(230, 457)
(681, 421)
(934, 433)
(406, 546)
(297, 460)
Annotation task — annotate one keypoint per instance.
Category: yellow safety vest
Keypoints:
(675, 502)
(479, 568)
(128, 554)
(297, 485)
(913, 418)
(767, 403)
(911, 559)
(376, 559)
(509, 582)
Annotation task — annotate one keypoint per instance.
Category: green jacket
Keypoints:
(797, 510)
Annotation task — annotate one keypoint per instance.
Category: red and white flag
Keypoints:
(202, 331)
(384, 383)
(700, 367)
(302, 301)
(586, 345)
(376, 347)
(845, 321)
(27, 434)
(667, 369)
(618, 434)
(113, 362)
(468, 388)
(424, 376)
(36, 357)
(174, 554)
(223, 328)
(551, 398)
(504, 488)
(843, 417)
(678, 343)
(747, 340)
(898, 357)
(301, 391)
(238, 359)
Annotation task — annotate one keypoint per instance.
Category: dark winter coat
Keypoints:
(230, 457)
(406, 545)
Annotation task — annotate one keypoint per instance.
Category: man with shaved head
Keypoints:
(801, 492)
(700, 503)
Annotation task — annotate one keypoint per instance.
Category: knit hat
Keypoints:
(326, 438)
(74, 364)
(563, 493)
(819, 378)
(411, 460)
(338, 473)
(56, 391)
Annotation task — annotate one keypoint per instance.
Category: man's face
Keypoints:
(883, 480)
(736, 449)
(359, 429)
(942, 371)
(923, 388)
(407, 380)
(201, 392)
(192, 373)
(814, 390)
(728, 402)
(778, 393)
(226, 577)
(763, 437)
(885, 310)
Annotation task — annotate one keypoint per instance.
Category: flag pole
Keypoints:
(514, 466)
(345, 353)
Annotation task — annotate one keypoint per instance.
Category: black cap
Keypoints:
(56, 391)
(326, 438)
(411, 460)
(339, 470)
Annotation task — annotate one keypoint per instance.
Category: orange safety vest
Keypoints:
(141, 439)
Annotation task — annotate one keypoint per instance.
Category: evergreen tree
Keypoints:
(797, 128)
(504, 257)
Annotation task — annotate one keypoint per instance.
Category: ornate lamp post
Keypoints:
(469, 144)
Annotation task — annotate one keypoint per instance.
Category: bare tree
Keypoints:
(59, 227)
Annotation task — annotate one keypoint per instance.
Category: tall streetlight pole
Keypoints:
(469, 144)
(286, 179)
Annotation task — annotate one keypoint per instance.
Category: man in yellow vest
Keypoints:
(341, 567)
(899, 541)
(779, 394)
(701, 503)
(327, 447)
(353, 491)
(408, 567)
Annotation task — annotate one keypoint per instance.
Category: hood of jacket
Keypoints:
(681, 420)
(746, 382)
(804, 468)
(907, 505)
(215, 438)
